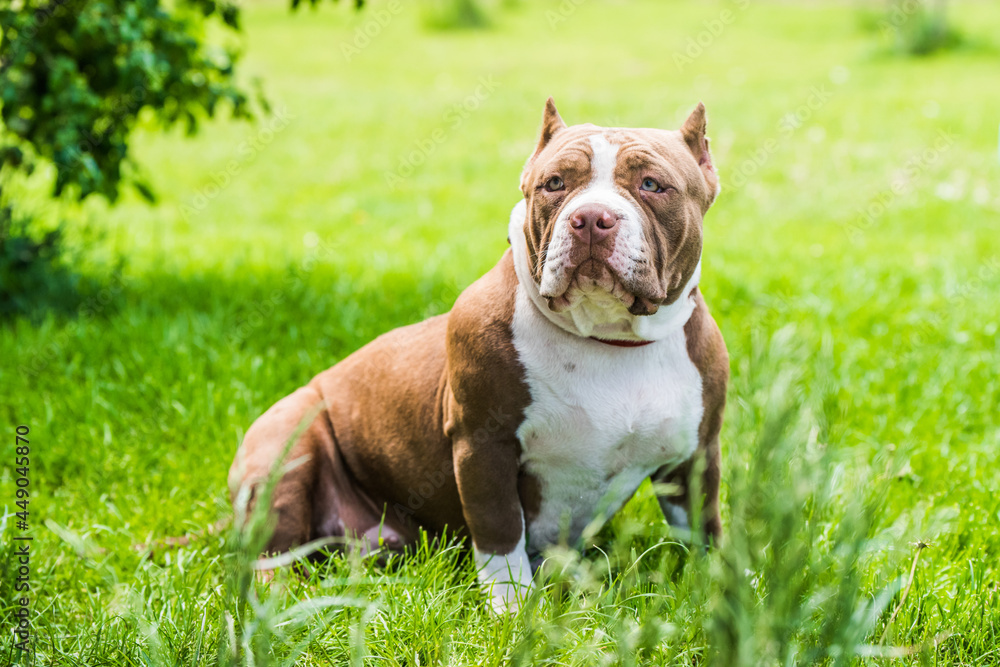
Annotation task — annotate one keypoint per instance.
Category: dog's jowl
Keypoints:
(584, 362)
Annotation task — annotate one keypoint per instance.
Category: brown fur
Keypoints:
(418, 428)
(415, 429)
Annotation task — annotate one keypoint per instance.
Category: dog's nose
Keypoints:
(593, 222)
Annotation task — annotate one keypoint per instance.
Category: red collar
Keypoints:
(622, 343)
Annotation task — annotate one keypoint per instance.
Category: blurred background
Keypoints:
(205, 204)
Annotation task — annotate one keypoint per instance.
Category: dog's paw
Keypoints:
(506, 597)
(506, 578)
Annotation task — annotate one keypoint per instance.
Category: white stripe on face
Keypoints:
(603, 162)
(602, 189)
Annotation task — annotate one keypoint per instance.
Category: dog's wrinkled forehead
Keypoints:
(579, 153)
(582, 152)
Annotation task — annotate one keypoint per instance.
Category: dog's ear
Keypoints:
(693, 132)
(552, 123)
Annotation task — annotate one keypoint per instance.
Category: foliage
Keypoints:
(358, 4)
(454, 14)
(76, 74)
(39, 269)
(440, 14)
(32, 268)
(918, 27)
(76, 77)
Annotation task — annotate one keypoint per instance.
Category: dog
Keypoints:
(581, 364)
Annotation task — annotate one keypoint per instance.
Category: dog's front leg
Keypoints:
(701, 471)
(487, 472)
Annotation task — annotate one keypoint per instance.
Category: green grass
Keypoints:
(862, 412)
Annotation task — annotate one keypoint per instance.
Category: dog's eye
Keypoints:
(555, 183)
(649, 185)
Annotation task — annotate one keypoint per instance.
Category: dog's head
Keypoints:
(612, 218)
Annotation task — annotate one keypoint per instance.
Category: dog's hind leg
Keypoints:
(262, 452)
(317, 496)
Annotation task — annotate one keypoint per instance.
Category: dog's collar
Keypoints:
(622, 343)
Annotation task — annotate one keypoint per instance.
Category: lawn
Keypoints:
(852, 262)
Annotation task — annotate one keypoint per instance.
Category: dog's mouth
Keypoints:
(593, 279)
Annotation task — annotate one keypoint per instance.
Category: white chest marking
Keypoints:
(601, 419)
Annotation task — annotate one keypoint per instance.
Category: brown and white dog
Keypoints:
(584, 362)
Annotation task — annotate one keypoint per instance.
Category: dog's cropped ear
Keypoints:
(552, 123)
(693, 132)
